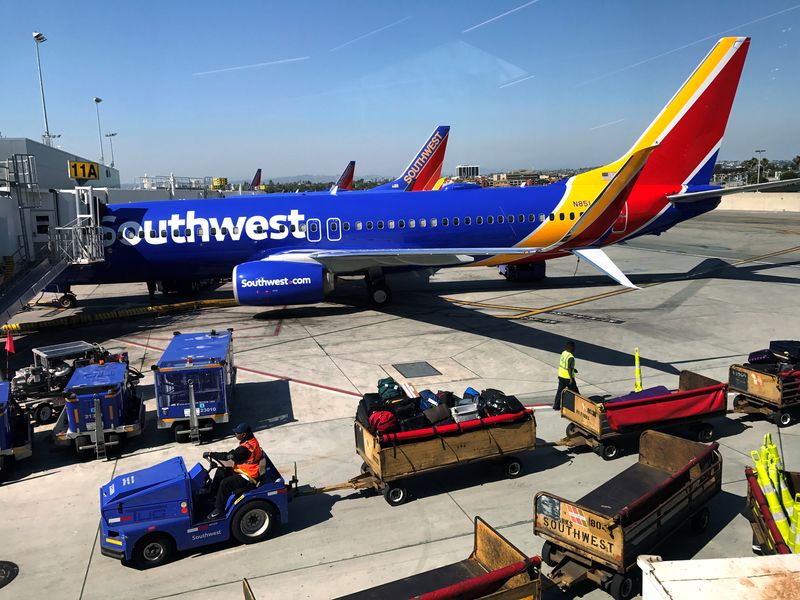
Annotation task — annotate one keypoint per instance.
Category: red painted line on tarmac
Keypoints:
(262, 373)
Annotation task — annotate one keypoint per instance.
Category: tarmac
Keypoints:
(713, 290)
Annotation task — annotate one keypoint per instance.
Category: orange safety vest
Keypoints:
(249, 468)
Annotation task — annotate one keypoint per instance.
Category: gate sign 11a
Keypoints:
(83, 170)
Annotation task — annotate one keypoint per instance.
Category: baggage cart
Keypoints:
(608, 425)
(767, 539)
(495, 570)
(101, 409)
(599, 537)
(195, 380)
(387, 464)
(758, 391)
(16, 432)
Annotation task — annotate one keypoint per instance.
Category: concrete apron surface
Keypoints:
(714, 289)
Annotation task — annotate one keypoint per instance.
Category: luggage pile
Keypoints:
(391, 411)
(781, 358)
(783, 506)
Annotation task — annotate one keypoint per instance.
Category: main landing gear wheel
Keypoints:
(253, 522)
(395, 495)
(379, 295)
(68, 301)
(153, 551)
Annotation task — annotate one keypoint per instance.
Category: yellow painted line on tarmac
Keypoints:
(93, 318)
(530, 312)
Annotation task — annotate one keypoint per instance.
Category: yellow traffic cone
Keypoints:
(796, 524)
(774, 502)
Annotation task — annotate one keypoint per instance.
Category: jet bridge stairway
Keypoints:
(80, 242)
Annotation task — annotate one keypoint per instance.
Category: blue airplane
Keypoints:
(291, 249)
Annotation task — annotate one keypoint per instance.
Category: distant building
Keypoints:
(467, 171)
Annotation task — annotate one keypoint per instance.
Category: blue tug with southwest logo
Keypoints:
(194, 383)
(149, 515)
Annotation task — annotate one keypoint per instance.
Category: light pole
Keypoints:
(97, 102)
(111, 143)
(38, 38)
(758, 172)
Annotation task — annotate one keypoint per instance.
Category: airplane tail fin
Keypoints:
(689, 130)
(254, 185)
(346, 179)
(425, 168)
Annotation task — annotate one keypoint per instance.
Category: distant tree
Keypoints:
(788, 175)
(796, 162)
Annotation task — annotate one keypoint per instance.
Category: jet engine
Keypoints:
(277, 282)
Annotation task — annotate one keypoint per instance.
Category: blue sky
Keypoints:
(543, 84)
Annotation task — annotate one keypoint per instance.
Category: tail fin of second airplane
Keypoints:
(424, 170)
(346, 179)
(254, 185)
(689, 130)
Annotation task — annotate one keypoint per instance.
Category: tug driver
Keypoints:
(242, 476)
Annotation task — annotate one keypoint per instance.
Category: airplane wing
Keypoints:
(702, 195)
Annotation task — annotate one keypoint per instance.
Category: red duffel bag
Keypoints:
(383, 421)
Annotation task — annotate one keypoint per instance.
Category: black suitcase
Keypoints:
(448, 398)
(373, 402)
(437, 414)
(492, 403)
(404, 407)
(361, 414)
(414, 422)
(787, 349)
(762, 357)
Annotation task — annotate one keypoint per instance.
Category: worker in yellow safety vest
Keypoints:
(566, 373)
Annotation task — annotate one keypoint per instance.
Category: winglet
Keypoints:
(600, 261)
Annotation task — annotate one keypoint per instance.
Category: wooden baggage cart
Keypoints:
(767, 539)
(598, 537)
(589, 424)
(495, 570)
(387, 465)
(760, 392)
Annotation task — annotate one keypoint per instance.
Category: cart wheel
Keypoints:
(68, 301)
(44, 413)
(739, 401)
(253, 522)
(705, 434)
(83, 440)
(700, 520)
(513, 468)
(153, 550)
(181, 438)
(784, 419)
(364, 468)
(115, 437)
(395, 495)
(609, 451)
(547, 554)
(622, 586)
(572, 429)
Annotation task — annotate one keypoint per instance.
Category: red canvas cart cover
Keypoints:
(677, 405)
(455, 428)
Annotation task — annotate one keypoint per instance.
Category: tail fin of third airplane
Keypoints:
(256, 183)
(424, 170)
(346, 179)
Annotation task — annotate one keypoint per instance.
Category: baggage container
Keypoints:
(599, 536)
(764, 390)
(16, 432)
(195, 380)
(608, 425)
(102, 408)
